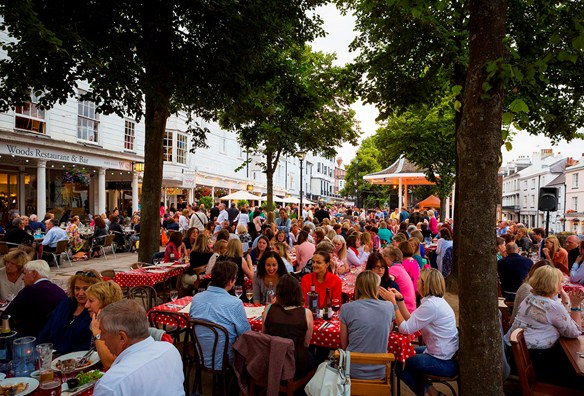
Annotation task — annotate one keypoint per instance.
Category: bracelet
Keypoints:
(399, 299)
(576, 309)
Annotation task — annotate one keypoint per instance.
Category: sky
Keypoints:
(340, 33)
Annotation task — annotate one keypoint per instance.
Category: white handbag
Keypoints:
(332, 379)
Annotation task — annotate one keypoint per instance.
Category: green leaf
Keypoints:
(508, 146)
(456, 90)
(519, 106)
(507, 119)
(564, 56)
(457, 105)
(486, 86)
(578, 42)
(504, 134)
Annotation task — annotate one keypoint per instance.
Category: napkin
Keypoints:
(254, 312)
(186, 309)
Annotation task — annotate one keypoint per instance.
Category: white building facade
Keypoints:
(574, 218)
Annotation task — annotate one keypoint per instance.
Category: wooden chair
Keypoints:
(144, 294)
(61, 248)
(3, 248)
(204, 348)
(446, 381)
(380, 387)
(530, 386)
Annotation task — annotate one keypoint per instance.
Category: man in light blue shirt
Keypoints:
(54, 235)
(142, 366)
(216, 305)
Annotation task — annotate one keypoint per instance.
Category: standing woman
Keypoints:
(270, 269)
(432, 222)
(304, 250)
(68, 327)
(558, 255)
(322, 278)
(262, 247)
(434, 318)
(355, 256)
(288, 318)
(183, 221)
(523, 240)
(339, 256)
(365, 324)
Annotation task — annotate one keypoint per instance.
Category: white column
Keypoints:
(95, 206)
(21, 192)
(101, 191)
(406, 195)
(134, 192)
(452, 213)
(399, 195)
(41, 188)
(447, 214)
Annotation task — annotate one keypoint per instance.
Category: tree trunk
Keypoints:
(270, 181)
(478, 147)
(155, 50)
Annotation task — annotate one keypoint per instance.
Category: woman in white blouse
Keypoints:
(435, 319)
(11, 276)
(545, 319)
(355, 255)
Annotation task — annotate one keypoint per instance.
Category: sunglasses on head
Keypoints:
(86, 273)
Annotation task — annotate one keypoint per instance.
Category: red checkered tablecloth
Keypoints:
(330, 337)
(569, 286)
(148, 276)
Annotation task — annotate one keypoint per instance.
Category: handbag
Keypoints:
(331, 379)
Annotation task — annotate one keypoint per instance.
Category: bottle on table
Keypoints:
(6, 338)
(270, 294)
(312, 301)
(327, 311)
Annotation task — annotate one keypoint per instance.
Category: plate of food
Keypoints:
(18, 386)
(81, 382)
(78, 365)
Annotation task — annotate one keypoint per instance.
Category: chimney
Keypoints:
(546, 153)
(569, 161)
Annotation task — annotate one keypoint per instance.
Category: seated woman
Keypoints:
(356, 257)
(68, 327)
(339, 256)
(98, 237)
(288, 318)
(234, 253)
(175, 247)
(190, 238)
(99, 296)
(377, 264)
(116, 229)
(11, 276)
(365, 324)
(544, 320)
(201, 252)
(270, 269)
(304, 250)
(322, 278)
(76, 242)
(577, 270)
(219, 249)
(435, 319)
(282, 250)
(409, 263)
(262, 247)
(553, 251)
(525, 288)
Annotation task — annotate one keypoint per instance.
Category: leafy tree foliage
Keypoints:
(302, 106)
(147, 59)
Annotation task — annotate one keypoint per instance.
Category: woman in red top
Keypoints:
(322, 278)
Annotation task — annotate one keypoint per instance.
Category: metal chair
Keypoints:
(108, 242)
(61, 248)
(203, 348)
(144, 294)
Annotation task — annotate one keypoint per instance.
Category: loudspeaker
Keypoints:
(548, 199)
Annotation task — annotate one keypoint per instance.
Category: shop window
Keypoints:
(181, 148)
(575, 180)
(167, 144)
(129, 135)
(87, 121)
(30, 118)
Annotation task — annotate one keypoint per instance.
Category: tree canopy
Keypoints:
(302, 106)
(147, 59)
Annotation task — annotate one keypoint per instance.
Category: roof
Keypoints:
(558, 181)
(402, 169)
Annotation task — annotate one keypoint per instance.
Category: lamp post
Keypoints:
(301, 155)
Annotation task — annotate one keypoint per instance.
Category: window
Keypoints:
(318, 167)
(129, 135)
(223, 145)
(575, 180)
(525, 202)
(532, 184)
(87, 121)
(167, 144)
(575, 203)
(533, 201)
(181, 148)
(525, 184)
(30, 118)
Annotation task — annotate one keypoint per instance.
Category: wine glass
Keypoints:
(336, 305)
(139, 264)
(173, 295)
(238, 291)
(249, 294)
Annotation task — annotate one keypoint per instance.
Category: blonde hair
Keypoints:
(219, 244)
(84, 276)
(105, 292)
(234, 248)
(367, 285)
(431, 283)
(202, 244)
(545, 280)
(18, 257)
(554, 240)
(365, 238)
(342, 253)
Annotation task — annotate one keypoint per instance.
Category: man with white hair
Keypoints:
(32, 306)
(34, 224)
(142, 366)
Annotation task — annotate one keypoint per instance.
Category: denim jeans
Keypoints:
(422, 363)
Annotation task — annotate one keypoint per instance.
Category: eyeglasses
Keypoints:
(86, 273)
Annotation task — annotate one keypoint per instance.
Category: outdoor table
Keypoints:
(329, 337)
(348, 281)
(573, 347)
(149, 276)
(569, 286)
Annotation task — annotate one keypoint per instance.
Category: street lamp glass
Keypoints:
(301, 155)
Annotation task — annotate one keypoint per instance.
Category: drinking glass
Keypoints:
(45, 355)
(336, 305)
(50, 388)
(238, 291)
(249, 294)
(173, 295)
(68, 366)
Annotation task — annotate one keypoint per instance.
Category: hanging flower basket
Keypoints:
(575, 220)
(202, 192)
(76, 176)
(562, 220)
(220, 193)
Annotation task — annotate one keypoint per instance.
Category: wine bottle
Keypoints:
(328, 306)
(312, 300)
(270, 294)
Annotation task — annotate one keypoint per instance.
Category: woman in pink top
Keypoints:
(432, 223)
(304, 250)
(393, 257)
(409, 262)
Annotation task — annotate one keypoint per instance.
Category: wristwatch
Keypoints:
(98, 336)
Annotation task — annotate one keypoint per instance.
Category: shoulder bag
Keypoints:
(332, 379)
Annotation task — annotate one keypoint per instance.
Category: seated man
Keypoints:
(32, 306)
(572, 246)
(142, 366)
(216, 305)
(17, 234)
(54, 235)
(512, 270)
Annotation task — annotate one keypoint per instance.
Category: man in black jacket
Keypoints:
(416, 217)
(512, 270)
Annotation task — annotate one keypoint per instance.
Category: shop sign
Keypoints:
(53, 155)
(118, 185)
(189, 181)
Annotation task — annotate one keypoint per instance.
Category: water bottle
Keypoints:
(270, 294)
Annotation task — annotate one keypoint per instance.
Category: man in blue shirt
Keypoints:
(216, 305)
(54, 235)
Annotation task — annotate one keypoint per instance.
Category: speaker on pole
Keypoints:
(548, 199)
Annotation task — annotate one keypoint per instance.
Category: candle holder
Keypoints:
(23, 356)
